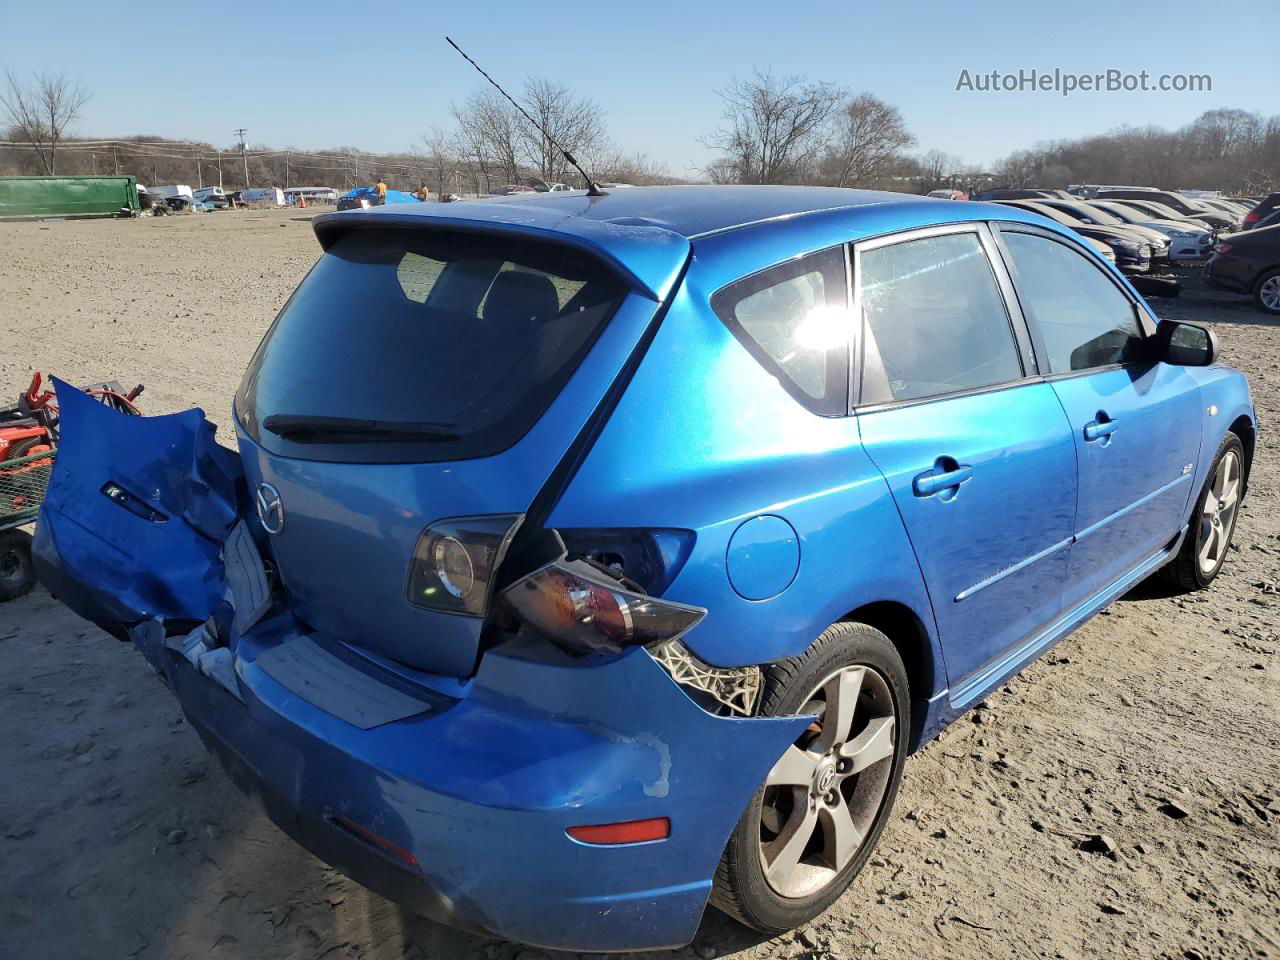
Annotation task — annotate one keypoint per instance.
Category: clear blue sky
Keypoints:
(325, 74)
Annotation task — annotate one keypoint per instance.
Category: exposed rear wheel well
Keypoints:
(1243, 428)
(900, 624)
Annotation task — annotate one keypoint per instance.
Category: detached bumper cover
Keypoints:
(477, 791)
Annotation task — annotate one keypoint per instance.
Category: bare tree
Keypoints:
(611, 164)
(489, 135)
(870, 136)
(936, 170)
(774, 128)
(442, 158)
(43, 111)
(575, 123)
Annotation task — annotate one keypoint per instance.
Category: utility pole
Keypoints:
(199, 173)
(286, 169)
(244, 155)
(94, 158)
(219, 153)
(115, 161)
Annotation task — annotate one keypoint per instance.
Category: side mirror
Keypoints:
(1185, 344)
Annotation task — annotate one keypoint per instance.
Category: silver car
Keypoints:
(1186, 242)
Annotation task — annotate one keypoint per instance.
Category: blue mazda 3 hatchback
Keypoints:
(585, 560)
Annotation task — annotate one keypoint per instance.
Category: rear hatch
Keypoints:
(427, 370)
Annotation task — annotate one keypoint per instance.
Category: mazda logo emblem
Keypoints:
(270, 509)
(826, 779)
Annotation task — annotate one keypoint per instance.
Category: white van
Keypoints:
(262, 197)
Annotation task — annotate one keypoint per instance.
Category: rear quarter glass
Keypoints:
(472, 334)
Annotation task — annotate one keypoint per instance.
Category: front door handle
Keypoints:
(1097, 429)
(943, 477)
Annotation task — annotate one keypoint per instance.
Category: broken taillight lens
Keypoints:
(582, 610)
(453, 563)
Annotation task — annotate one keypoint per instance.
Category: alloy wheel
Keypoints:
(1269, 293)
(1218, 515)
(824, 793)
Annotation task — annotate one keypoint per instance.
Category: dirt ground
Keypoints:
(1155, 725)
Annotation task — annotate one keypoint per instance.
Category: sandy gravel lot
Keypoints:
(119, 837)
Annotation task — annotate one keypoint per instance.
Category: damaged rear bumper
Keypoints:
(456, 806)
(479, 792)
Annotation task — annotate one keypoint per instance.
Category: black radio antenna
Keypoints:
(592, 189)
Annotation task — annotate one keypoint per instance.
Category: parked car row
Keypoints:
(1142, 227)
(180, 197)
(1217, 213)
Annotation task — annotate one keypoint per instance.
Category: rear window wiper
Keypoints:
(308, 428)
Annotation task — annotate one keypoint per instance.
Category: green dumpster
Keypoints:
(35, 197)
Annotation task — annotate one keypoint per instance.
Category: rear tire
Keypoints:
(17, 575)
(1266, 292)
(1213, 521)
(837, 784)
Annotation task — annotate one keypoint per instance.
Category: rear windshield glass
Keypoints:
(445, 345)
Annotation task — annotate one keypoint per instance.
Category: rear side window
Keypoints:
(794, 319)
(466, 337)
(1083, 318)
(935, 320)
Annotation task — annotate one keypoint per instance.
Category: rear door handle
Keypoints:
(933, 481)
(1097, 429)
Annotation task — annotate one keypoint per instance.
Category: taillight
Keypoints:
(1253, 217)
(454, 561)
(582, 610)
(1222, 247)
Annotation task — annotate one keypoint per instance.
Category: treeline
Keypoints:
(793, 130)
(1229, 150)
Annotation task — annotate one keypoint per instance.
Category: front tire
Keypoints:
(1213, 521)
(812, 825)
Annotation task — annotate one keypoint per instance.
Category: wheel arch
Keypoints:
(906, 630)
(1244, 428)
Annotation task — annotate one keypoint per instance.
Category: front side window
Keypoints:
(794, 319)
(935, 320)
(1084, 318)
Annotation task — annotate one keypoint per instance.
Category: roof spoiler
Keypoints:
(649, 258)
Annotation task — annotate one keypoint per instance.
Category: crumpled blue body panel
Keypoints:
(156, 556)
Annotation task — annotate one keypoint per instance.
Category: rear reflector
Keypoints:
(369, 837)
(633, 831)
